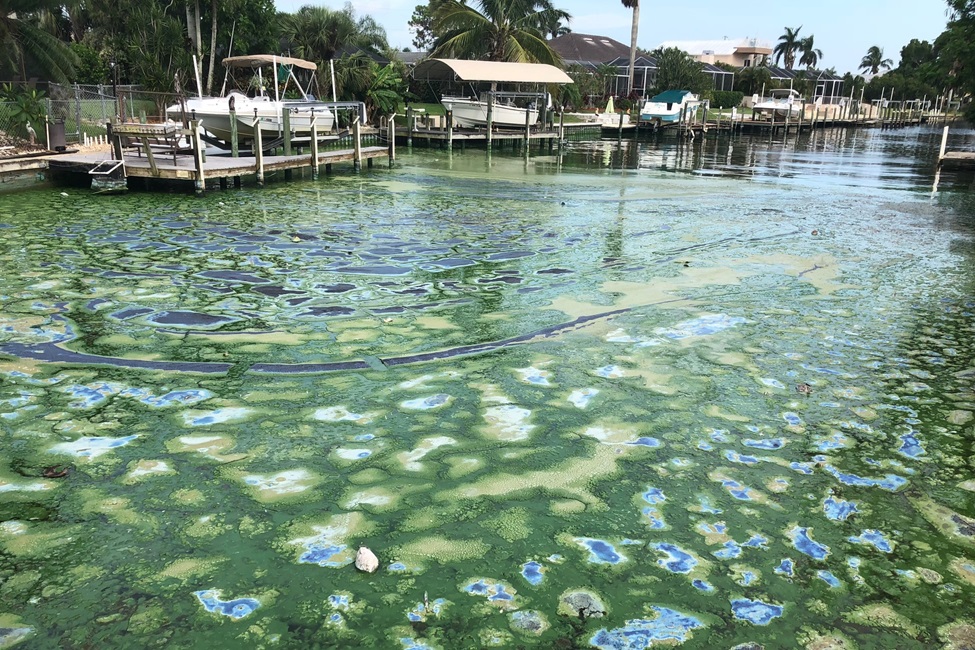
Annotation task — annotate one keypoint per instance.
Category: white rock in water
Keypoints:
(366, 560)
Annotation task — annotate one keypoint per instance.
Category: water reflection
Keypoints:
(890, 159)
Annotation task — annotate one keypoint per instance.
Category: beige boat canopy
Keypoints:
(464, 70)
(258, 60)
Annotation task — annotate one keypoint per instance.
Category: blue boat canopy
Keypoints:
(670, 96)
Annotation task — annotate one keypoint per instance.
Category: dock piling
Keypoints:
(944, 144)
(314, 145)
(199, 181)
(449, 118)
(357, 142)
(234, 146)
(258, 150)
(409, 126)
(392, 139)
(286, 133)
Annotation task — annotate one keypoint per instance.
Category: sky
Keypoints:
(843, 29)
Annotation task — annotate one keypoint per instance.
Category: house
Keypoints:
(740, 53)
(591, 51)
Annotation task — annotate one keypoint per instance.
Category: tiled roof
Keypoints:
(588, 47)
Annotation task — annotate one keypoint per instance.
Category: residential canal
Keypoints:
(709, 393)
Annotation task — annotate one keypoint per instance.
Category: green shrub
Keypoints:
(726, 98)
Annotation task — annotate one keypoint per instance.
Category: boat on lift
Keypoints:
(783, 102)
(511, 110)
(668, 107)
(261, 110)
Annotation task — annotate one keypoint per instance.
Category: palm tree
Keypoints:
(318, 33)
(874, 60)
(503, 30)
(23, 41)
(789, 43)
(635, 6)
(810, 53)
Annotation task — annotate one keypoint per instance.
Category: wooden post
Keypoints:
(234, 147)
(258, 150)
(142, 117)
(199, 182)
(449, 120)
(544, 113)
(944, 144)
(561, 128)
(409, 126)
(47, 132)
(357, 142)
(314, 145)
(528, 129)
(802, 114)
(116, 141)
(490, 114)
(620, 134)
(392, 138)
(286, 129)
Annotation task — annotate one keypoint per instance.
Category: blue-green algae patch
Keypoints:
(575, 409)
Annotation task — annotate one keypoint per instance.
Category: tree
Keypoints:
(676, 70)
(634, 29)
(916, 54)
(810, 53)
(23, 42)
(554, 25)
(874, 60)
(787, 47)
(319, 33)
(421, 26)
(752, 80)
(502, 30)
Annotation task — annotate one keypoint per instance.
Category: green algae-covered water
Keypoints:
(704, 394)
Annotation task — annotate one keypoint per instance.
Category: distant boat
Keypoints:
(784, 102)
(668, 106)
(471, 113)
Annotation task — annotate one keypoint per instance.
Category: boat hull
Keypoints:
(214, 116)
(778, 110)
(666, 113)
(472, 113)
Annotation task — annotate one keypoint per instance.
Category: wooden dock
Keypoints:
(166, 152)
(955, 159)
(214, 167)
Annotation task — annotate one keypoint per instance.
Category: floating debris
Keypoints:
(366, 560)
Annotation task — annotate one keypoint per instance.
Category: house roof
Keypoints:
(588, 47)
(411, 58)
(724, 47)
(464, 70)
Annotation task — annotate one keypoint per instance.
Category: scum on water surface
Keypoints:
(650, 475)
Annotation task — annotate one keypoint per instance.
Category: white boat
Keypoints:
(471, 113)
(668, 106)
(262, 110)
(784, 102)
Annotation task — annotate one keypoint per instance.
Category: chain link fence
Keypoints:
(83, 109)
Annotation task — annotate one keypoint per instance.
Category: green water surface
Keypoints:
(745, 415)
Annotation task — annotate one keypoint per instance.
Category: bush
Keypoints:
(726, 98)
